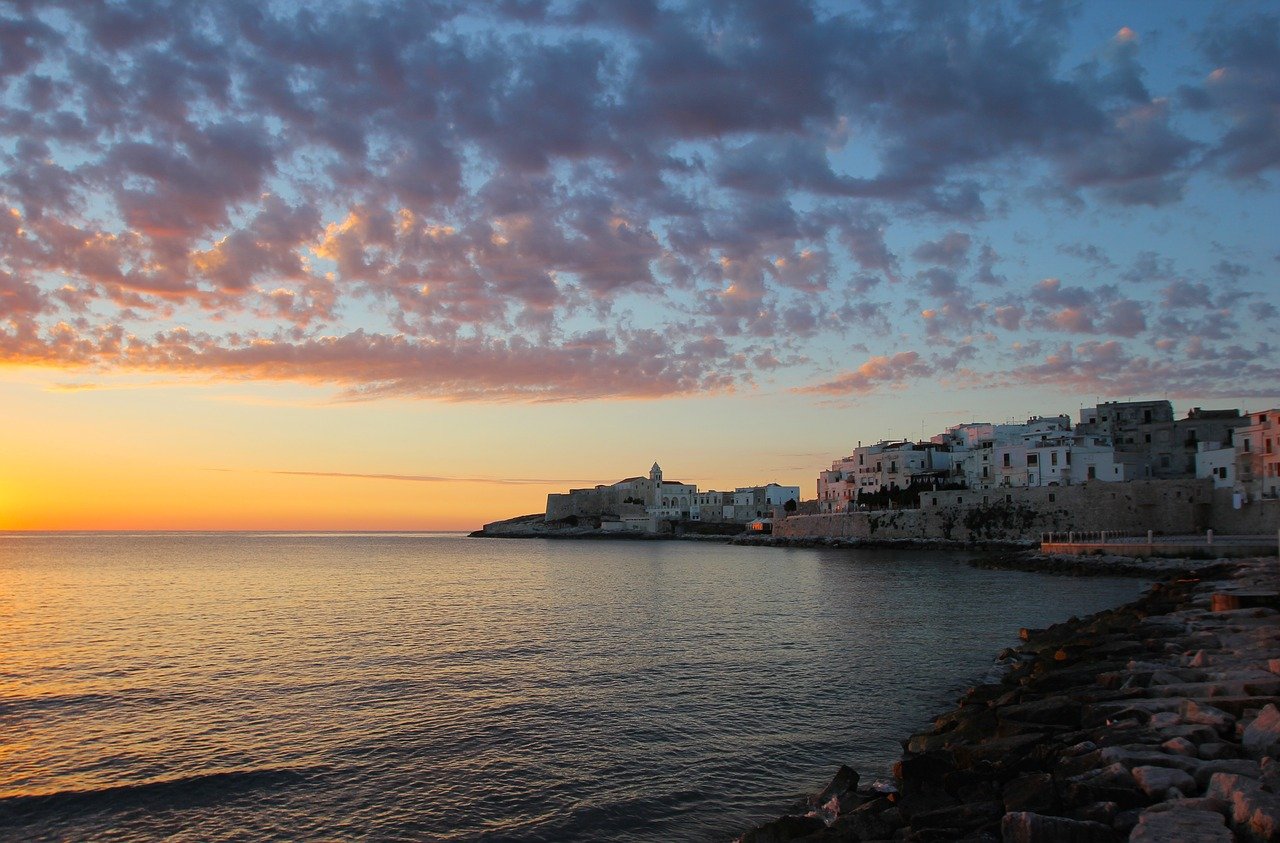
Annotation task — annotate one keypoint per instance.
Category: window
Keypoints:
(986, 472)
(984, 500)
(1006, 460)
(1093, 473)
(1053, 458)
(1052, 497)
(1033, 459)
(1246, 443)
(1222, 472)
(1147, 439)
(1068, 457)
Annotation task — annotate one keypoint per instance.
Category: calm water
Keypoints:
(251, 687)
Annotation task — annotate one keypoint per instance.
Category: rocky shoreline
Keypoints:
(1155, 721)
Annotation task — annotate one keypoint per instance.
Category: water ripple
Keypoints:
(320, 687)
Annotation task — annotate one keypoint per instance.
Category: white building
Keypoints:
(671, 498)
(888, 464)
(1218, 463)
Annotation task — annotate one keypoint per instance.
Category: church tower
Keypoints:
(655, 485)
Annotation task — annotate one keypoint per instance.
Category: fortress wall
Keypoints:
(1169, 507)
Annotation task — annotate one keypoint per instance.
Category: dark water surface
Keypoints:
(435, 687)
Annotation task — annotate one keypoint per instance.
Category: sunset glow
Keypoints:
(388, 267)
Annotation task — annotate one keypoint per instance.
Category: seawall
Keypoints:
(1163, 506)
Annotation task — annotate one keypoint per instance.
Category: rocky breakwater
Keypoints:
(1156, 721)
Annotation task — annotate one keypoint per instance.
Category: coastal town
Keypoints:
(1122, 466)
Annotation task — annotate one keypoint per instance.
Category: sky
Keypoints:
(415, 265)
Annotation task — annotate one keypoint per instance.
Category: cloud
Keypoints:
(882, 370)
(561, 201)
(1244, 88)
(420, 478)
(951, 251)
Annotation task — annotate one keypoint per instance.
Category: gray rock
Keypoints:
(1194, 711)
(1254, 813)
(1026, 827)
(1234, 766)
(1112, 783)
(1179, 746)
(1182, 824)
(843, 788)
(1156, 781)
(784, 829)
(1216, 751)
(1030, 792)
(1098, 812)
(1262, 736)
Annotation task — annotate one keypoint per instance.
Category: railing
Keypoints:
(1207, 538)
(1130, 543)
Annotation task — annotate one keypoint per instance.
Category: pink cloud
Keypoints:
(876, 372)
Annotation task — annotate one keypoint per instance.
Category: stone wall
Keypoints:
(1253, 519)
(1169, 507)
(580, 502)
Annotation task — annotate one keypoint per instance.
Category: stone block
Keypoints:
(1262, 736)
(784, 829)
(1216, 751)
(1027, 827)
(1030, 792)
(1156, 781)
(1234, 766)
(1204, 714)
(1254, 813)
(1180, 746)
(1180, 824)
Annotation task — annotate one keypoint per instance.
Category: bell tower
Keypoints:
(655, 473)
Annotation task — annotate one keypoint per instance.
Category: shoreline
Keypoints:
(517, 529)
(1156, 720)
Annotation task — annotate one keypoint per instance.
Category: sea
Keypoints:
(325, 686)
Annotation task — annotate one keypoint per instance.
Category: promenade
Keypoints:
(1205, 544)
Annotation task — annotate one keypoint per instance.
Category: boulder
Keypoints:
(1156, 781)
(1030, 792)
(1113, 783)
(784, 829)
(1180, 746)
(1181, 824)
(1215, 751)
(1233, 766)
(874, 820)
(1262, 736)
(1195, 711)
(1098, 812)
(1028, 827)
(1254, 813)
(843, 787)
(964, 817)
(1056, 711)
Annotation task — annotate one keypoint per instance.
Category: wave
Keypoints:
(180, 792)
